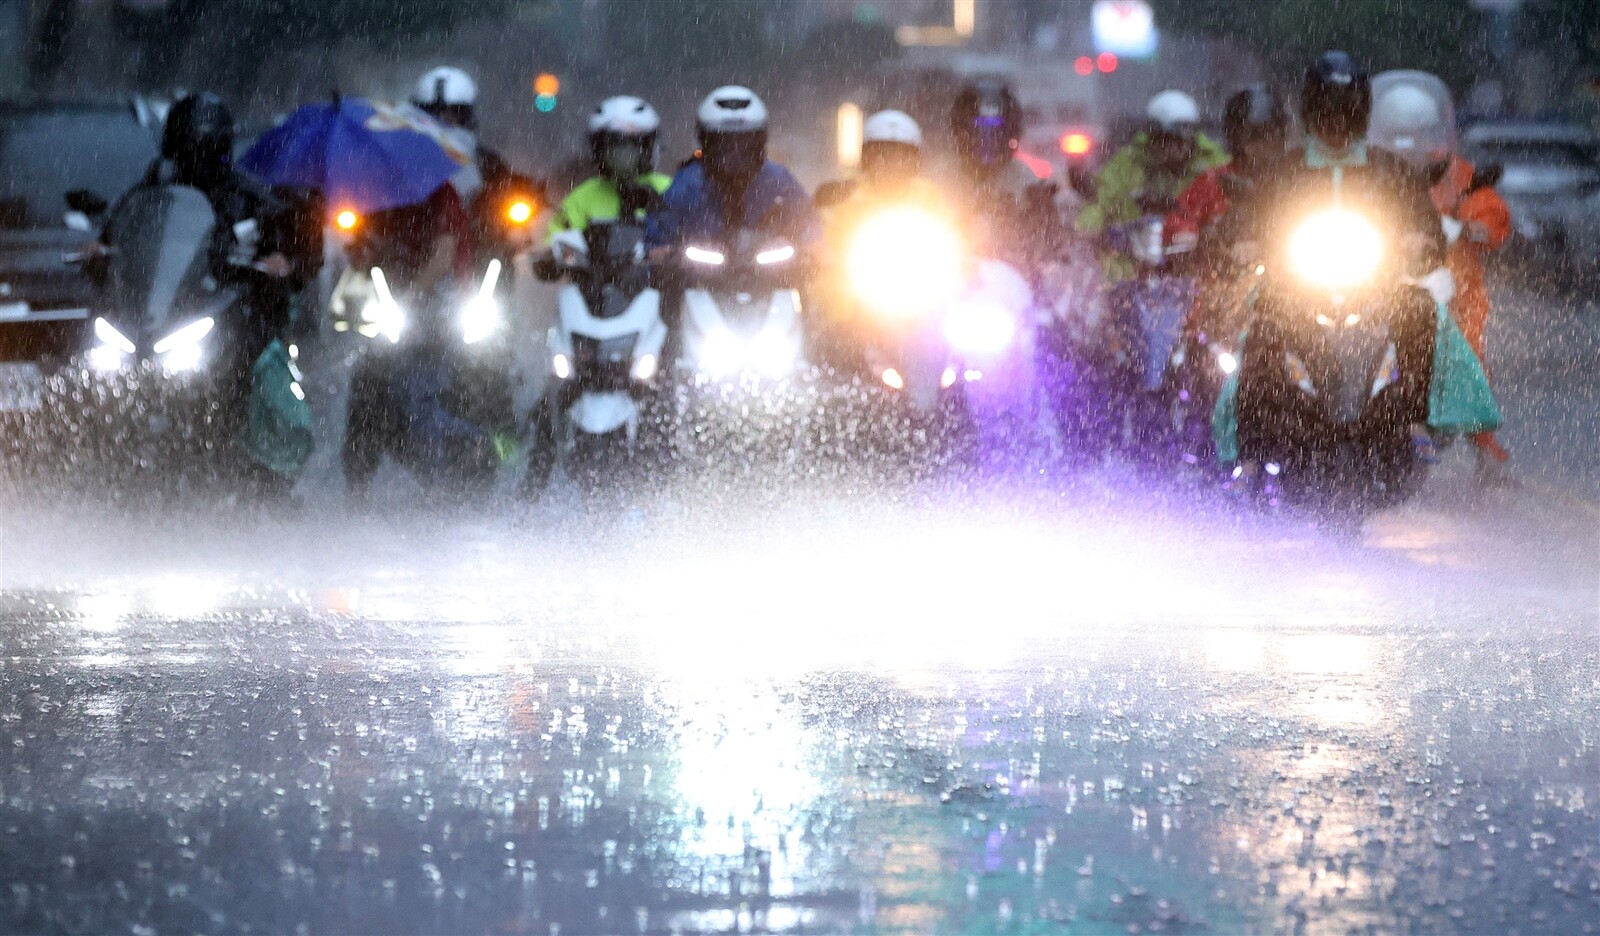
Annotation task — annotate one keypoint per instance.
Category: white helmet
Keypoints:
(891, 126)
(1412, 117)
(1173, 110)
(624, 115)
(445, 86)
(732, 109)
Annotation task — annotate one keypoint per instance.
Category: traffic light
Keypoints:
(545, 88)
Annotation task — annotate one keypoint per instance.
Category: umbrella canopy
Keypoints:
(363, 155)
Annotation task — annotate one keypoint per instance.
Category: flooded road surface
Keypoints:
(1064, 705)
(956, 712)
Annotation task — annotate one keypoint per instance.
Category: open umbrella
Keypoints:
(361, 155)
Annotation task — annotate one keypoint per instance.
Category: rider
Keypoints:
(272, 245)
(1336, 162)
(450, 96)
(1412, 124)
(1256, 124)
(1150, 173)
(622, 144)
(890, 172)
(732, 184)
(1000, 191)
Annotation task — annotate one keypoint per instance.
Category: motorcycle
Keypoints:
(431, 385)
(741, 311)
(202, 377)
(1323, 374)
(940, 325)
(605, 353)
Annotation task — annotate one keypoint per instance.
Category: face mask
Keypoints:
(622, 161)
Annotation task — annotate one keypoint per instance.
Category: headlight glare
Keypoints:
(904, 262)
(1335, 249)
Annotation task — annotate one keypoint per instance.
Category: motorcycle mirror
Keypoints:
(1083, 182)
(87, 202)
(1486, 176)
(77, 221)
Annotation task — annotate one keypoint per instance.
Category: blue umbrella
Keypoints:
(362, 155)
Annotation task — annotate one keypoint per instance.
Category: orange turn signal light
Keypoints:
(347, 220)
(519, 212)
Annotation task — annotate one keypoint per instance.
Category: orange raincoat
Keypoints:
(1487, 223)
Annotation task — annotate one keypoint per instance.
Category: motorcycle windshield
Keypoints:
(1413, 116)
(159, 238)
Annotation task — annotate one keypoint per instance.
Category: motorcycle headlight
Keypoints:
(980, 328)
(382, 315)
(114, 347)
(181, 350)
(1336, 249)
(482, 315)
(705, 255)
(646, 367)
(722, 353)
(903, 262)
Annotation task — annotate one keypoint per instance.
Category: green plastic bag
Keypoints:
(277, 427)
(1459, 399)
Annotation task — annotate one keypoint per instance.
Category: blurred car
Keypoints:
(1551, 183)
(47, 150)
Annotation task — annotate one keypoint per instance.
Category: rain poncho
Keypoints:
(597, 199)
(1125, 178)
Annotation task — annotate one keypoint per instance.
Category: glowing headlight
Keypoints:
(1227, 362)
(645, 367)
(114, 346)
(382, 315)
(561, 365)
(980, 328)
(180, 351)
(904, 262)
(893, 380)
(776, 255)
(702, 255)
(482, 317)
(1335, 249)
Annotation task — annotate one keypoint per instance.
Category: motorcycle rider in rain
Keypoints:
(731, 184)
(450, 96)
(1256, 125)
(890, 173)
(1149, 299)
(1335, 107)
(1012, 210)
(622, 145)
(271, 249)
(1410, 123)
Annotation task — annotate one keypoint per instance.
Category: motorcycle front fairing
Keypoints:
(741, 312)
(162, 302)
(605, 355)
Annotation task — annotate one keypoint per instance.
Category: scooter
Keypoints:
(1323, 377)
(605, 355)
(431, 385)
(198, 379)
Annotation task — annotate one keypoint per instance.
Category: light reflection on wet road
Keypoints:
(961, 713)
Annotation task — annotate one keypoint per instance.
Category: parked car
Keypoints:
(47, 150)
(1551, 183)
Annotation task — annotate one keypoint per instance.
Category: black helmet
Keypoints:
(986, 122)
(198, 137)
(1336, 99)
(1251, 114)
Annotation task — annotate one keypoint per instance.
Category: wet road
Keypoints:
(1063, 705)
